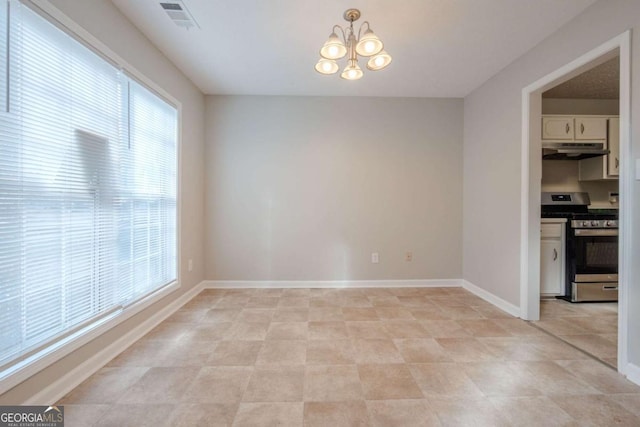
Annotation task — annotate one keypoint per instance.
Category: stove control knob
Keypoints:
(585, 223)
(594, 223)
(609, 223)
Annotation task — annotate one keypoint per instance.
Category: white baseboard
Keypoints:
(633, 373)
(59, 388)
(244, 284)
(503, 305)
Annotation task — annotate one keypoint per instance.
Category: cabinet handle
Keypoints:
(581, 128)
(567, 128)
(555, 254)
(617, 163)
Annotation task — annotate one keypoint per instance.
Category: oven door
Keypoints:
(596, 255)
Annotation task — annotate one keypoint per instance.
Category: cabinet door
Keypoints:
(557, 128)
(591, 128)
(613, 159)
(551, 279)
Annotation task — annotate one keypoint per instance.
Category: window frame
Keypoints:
(46, 356)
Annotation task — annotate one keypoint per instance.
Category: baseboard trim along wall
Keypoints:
(424, 283)
(58, 389)
(633, 373)
(245, 284)
(503, 305)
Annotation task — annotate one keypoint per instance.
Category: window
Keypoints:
(88, 160)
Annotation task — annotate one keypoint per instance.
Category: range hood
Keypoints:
(572, 150)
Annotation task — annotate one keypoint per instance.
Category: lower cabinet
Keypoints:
(552, 263)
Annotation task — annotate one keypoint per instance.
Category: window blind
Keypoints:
(87, 185)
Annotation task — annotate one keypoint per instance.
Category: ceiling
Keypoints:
(600, 82)
(440, 48)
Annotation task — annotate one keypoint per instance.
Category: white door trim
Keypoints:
(530, 185)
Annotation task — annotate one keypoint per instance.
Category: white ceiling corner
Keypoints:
(440, 48)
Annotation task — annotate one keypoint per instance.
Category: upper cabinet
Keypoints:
(590, 128)
(604, 167)
(557, 127)
(613, 159)
(566, 128)
(571, 128)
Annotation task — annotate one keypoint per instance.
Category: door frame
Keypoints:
(531, 167)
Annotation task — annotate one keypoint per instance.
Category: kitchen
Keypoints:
(580, 200)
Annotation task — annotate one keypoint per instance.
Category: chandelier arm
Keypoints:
(344, 37)
(362, 25)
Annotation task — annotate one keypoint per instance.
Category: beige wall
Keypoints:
(492, 138)
(306, 188)
(106, 23)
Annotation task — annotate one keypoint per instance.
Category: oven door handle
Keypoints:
(586, 232)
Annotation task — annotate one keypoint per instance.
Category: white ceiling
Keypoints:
(440, 48)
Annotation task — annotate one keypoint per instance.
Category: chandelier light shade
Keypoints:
(366, 44)
(333, 48)
(369, 44)
(379, 61)
(352, 71)
(327, 66)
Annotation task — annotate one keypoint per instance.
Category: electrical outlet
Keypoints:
(408, 256)
(375, 258)
(190, 265)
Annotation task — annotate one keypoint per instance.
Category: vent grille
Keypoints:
(179, 14)
(171, 6)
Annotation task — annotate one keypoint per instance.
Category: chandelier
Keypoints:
(367, 45)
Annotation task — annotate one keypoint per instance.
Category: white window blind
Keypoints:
(87, 186)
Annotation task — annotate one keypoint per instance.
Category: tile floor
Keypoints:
(350, 357)
(592, 327)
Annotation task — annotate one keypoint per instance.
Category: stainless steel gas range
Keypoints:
(591, 247)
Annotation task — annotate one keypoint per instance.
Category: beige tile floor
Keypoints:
(350, 357)
(591, 327)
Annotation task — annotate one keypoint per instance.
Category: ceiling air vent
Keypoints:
(178, 12)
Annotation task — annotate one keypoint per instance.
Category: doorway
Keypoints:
(591, 102)
(532, 175)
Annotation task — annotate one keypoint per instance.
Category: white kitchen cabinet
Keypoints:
(574, 128)
(552, 260)
(557, 127)
(604, 167)
(590, 128)
(550, 267)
